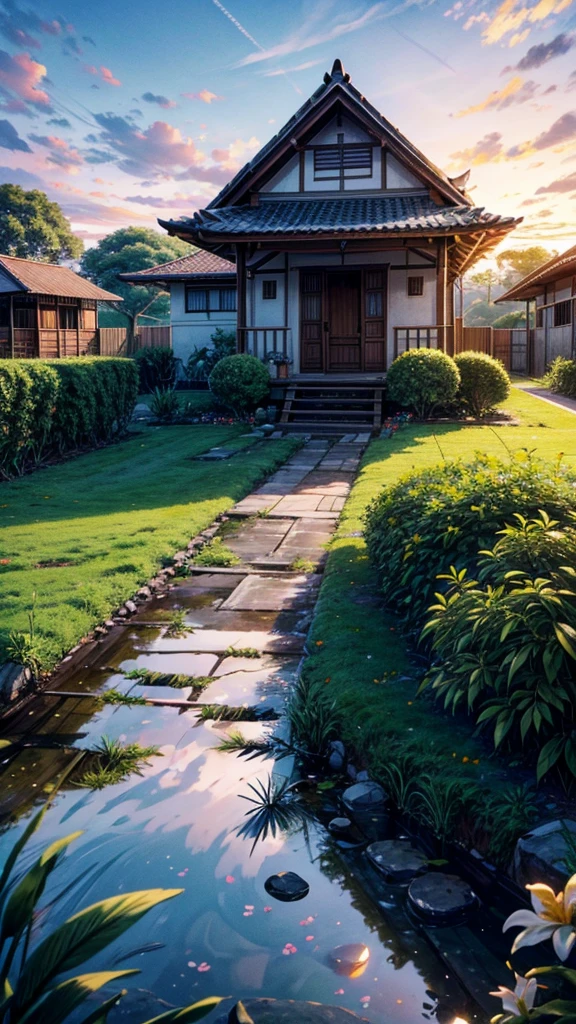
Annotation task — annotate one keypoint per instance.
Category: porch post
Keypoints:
(241, 303)
(441, 290)
(12, 327)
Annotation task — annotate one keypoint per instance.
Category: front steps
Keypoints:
(332, 408)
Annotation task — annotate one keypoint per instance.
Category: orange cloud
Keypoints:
(104, 73)
(204, 95)
(515, 91)
(232, 157)
(515, 20)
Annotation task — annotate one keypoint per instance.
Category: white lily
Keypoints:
(519, 1001)
(552, 918)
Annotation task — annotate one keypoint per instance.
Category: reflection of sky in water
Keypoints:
(175, 827)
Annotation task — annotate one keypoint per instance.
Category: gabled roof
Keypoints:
(532, 284)
(196, 265)
(338, 89)
(49, 279)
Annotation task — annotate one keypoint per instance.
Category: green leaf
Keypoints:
(59, 1002)
(548, 756)
(566, 973)
(20, 906)
(18, 847)
(84, 935)
(560, 630)
(564, 1008)
(188, 1014)
(100, 1016)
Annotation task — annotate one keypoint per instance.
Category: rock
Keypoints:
(362, 776)
(352, 772)
(287, 887)
(169, 572)
(540, 854)
(339, 826)
(180, 556)
(13, 680)
(336, 761)
(397, 860)
(338, 746)
(142, 412)
(109, 623)
(364, 796)
(131, 607)
(440, 898)
(351, 959)
(287, 1011)
(144, 593)
(122, 612)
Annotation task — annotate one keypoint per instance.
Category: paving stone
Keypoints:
(441, 898)
(287, 1011)
(397, 860)
(346, 439)
(258, 539)
(219, 640)
(540, 855)
(262, 593)
(216, 455)
(285, 511)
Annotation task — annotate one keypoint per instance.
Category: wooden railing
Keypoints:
(432, 336)
(508, 345)
(261, 341)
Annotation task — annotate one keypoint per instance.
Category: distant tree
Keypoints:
(516, 263)
(516, 318)
(125, 251)
(481, 314)
(485, 279)
(34, 227)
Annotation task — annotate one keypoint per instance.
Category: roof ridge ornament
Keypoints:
(337, 74)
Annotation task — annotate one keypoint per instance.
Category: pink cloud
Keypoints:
(204, 95)
(104, 73)
(22, 76)
(61, 154)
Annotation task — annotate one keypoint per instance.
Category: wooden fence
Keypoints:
(113, 339)
(510, 346)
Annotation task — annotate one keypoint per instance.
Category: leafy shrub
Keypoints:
(446, 514)
(158, 368)
(504, 644)
(423, 380)
(57, 405)
(203, 360)
(240, 382)
(561, 377)
(484, 383)
(165, 405)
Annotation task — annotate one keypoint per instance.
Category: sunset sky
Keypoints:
(124, 111)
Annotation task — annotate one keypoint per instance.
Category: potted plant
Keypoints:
(281, 361)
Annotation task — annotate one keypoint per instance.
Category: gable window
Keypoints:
(269, 289)
(563, 313)
(342, 162)
(415, 286)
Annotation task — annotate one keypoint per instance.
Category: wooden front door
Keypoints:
(343, 320)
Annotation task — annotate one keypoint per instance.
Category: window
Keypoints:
(269, 289)
(563, 313)
(415, 286)
(342, 162)
(539, 316)
(68, 318)
(374, 285)
(206, 300)
(24, 316)
(89, 319)
(48, 317)
(197, 300)
(227, 300)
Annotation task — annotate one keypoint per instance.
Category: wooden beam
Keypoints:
(441, 285)
(241, 289)
(11, 327)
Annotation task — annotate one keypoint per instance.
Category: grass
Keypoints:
(359, 660)
(146, 677)
(216, 553)
(86, 534)
(197, 401)
(112, 762)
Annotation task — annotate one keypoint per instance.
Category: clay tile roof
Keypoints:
(196, 264)
(49, 279)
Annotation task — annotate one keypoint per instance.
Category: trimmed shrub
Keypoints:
(423, 380)
(240, 383)
(203, 360)
(561, 377)
(158, 368)
(484, 383)
(444, 515)
(61, 404)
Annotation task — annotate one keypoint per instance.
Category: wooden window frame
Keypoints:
(415, 286)
(203, 309)
(208, 308)
(270, 289)
(563, 313)
(340, 168)
(226, 309)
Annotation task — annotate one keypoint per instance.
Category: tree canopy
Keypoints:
(128, 250)
(34, 227)
(516, 263)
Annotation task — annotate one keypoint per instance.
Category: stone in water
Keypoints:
(287, 886)
(351, 959)
(397, 860)
(440, 898)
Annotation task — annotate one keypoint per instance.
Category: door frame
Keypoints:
(362, 268)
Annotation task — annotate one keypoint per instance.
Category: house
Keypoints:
(47, 311)
(549, 293)
(202, 289)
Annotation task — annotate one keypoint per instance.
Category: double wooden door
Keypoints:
(343, 320)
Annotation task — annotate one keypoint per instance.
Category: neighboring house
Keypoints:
(202, 290)
(347, 240)
(47, 311)
(552, 289)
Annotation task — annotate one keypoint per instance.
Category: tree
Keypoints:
(485, 279)
(516, 263)
(126, 251)
(516, 318)
(34, 227)
(481, 314)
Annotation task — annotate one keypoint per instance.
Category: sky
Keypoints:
(126, 111)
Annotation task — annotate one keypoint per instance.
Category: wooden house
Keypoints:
(550, 296)
(347, 242)
(203, 297)
(47, 311)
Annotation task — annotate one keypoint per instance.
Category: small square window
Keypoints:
(196, 300)
(415, 286)
(269, 289)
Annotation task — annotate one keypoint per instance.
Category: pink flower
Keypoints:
(230, 879)
(203, 967)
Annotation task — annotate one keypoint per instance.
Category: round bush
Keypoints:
(423, 380)
(484, 383)
(561, 377)
(443, 516)
(239, 382)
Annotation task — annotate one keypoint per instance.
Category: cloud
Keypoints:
(204, 95)
(104, 73)
(157, 150)
(559, 133)
(89, 40)
(18, 176)
(60, 122)
(86, 212)
(162, 101)
(305, 36)
(515, 92)
(515, 19)
(289, 71)
(540, 54)
(9, 138)
(232, 157)
(476, 19)
(189, 202)
(17, 25)
(486, 149)
(560, 185)
(21, 76)
(61, 154)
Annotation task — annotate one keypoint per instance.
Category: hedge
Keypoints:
(56, 405)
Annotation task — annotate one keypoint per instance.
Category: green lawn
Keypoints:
(199, 401)
(359, 657)
(86, 534)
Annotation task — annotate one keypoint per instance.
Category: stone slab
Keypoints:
(258, 539)
(540, 855)
(285, 512)
(262, 593)
(397, 860)
(440, 898)
(218, 641)
(287, 1011)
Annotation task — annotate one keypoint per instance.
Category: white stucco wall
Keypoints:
(193, 330)
(399, 176)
